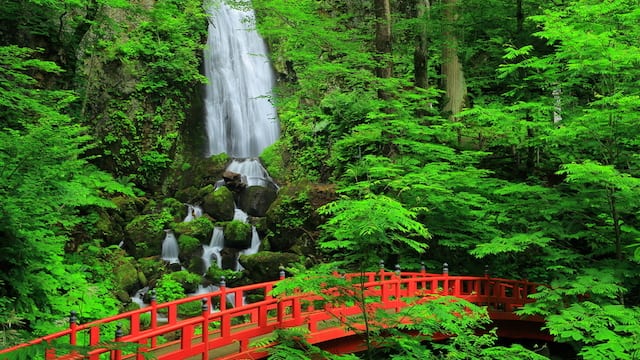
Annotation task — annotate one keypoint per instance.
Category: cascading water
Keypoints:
(213, 249)
(193, 212)
(240, 119)
(253, 249)
(170, 250)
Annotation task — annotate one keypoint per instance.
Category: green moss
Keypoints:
(175, 208)
(146, 232)
(219, 203)
(188, 244)
(220, 160)
(200, 228)
(189, 281)
(272, 160)
(237, 235)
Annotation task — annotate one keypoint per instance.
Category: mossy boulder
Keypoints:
(237, 235)
(188, 280)
(125, 273)
(151, 268)
(188, 195)
(219, 204)
(195, 264)
(190, 248)
(293, 216)
(232, 278)
(200, 228)
(145, 234)
(128, 207)
(203, 171)
(265, 265)
(255, 200)
(109, 227)
(176, 208)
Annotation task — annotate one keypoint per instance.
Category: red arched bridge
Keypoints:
(225, 324)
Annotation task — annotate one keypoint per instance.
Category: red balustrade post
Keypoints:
(383, 288)
(398, 285)
(205, 328)
(154, 316)
(72, 325)
(117, 354)
(50, 352)
(223, 295)
(445, 282)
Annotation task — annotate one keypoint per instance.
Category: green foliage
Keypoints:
(200, 228)
(168, 289)
(187, 280)
(285, 344)
(237, 234)
(365, 231)
(188, 244)
(46, 182)
(402, 335)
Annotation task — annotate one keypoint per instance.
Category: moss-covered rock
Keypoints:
(255, 200)
(292, 216)
(237, 235)
(265, 265)
(219, 204)
(152, 268)
(129, 207)
(232, 278)
(125, 273)
(188, 195)
(195, 264)
(200, 172)
(189, 247)
(176, 208)
(188, 280)
(200, 228)
(145, 234)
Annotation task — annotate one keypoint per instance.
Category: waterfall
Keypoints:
(240, 215)
(240, 119)
(213, 249)
(255, 246)
(193, 212)
(254, 174)
(170, 250)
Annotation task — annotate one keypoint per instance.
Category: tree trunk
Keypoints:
(384, 68)
(454, 82)
(421, 53)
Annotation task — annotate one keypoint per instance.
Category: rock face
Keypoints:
(255, 200)
(233, 181)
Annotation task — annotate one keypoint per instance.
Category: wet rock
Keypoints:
(255, 200)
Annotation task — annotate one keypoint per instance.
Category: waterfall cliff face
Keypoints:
(240, 119)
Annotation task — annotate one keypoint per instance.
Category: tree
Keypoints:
(45, 184)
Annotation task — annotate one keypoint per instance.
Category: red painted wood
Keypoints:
(239, 323)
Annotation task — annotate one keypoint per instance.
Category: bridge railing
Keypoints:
(226, 320)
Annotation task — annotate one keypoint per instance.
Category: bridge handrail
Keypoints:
(390, 286)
